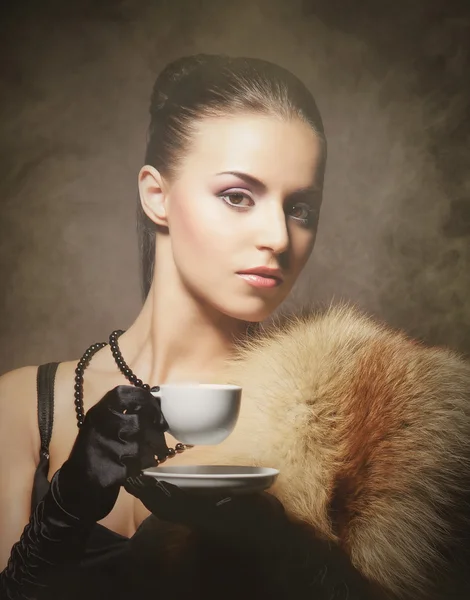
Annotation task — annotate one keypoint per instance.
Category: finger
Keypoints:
(252, 510)
(162, 500)
(147, 457)
(132, 464)
(256, 516)
(143, 484)
(193, 510)
(168, 501)
(151, 414)
(128, 398)
(116, 425)
(153, 440)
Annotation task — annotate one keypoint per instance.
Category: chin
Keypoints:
(253, 311)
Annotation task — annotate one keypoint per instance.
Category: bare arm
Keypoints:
(19, 453)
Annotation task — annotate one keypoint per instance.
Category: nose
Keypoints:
(272, 230)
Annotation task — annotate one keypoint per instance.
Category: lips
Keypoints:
(260, 281)
(264, 272)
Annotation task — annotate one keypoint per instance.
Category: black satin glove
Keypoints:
(121, 435)
(52, 539)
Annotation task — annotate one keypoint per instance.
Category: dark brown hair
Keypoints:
(193, 88)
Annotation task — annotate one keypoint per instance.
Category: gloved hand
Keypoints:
(120, 436)
(243, 518)
(252, 542)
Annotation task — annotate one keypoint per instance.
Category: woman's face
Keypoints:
(247, 196)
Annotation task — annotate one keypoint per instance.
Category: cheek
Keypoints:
(302, 246)
(194, 231)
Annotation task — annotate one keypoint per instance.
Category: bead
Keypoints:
(125, 370)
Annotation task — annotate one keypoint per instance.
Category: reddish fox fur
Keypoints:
(371, 433)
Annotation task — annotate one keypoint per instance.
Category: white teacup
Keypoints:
(200, 413)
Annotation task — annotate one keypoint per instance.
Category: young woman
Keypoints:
(230, 196)
(369, 430)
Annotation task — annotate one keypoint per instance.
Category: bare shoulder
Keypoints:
(18, 407)
(24, 377)
(19, 444)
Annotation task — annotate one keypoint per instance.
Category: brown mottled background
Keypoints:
(392, 80)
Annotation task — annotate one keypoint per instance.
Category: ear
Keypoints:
(152, 195)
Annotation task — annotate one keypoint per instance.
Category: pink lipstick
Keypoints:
(262, 277)
(260, 280)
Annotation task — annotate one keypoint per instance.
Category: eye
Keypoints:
(235, 199)
(302, 212)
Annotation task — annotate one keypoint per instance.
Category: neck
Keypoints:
(175, 338)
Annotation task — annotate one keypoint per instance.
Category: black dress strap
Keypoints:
(45, 387)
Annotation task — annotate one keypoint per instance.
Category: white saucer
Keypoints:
(216, 478)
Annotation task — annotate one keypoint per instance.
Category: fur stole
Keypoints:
(371, 433)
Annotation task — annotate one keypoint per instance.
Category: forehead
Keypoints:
(283, 154)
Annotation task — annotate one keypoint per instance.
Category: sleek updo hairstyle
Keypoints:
(193, 88)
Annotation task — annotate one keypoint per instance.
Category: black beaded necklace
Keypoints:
(125, 370)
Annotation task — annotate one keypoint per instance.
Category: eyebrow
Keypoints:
(256, 183)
